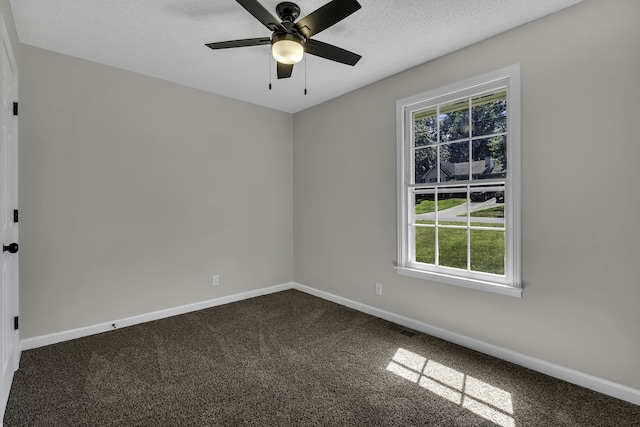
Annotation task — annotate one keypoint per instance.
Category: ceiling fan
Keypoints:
(290, 39)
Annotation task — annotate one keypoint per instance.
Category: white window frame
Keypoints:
(510, 283)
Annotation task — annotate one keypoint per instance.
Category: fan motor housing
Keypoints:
(287, 36)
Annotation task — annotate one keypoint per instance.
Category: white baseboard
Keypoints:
(41, 341)
(582, 379)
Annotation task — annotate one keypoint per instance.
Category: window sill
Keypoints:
(459, 281)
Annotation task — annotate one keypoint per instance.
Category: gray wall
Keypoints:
(135, 191)
(5, 10)
(580, 109)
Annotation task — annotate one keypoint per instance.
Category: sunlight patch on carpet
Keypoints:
(485, 400)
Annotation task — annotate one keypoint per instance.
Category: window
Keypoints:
(458, 183)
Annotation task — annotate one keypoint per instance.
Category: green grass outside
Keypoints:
(494, 212)
(428, 206)
(487, 248)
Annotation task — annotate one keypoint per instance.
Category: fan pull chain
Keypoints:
(270, 67)
(305, 74)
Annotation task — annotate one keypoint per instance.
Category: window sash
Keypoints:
(466, 224)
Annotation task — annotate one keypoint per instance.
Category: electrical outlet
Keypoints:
(216, 280)
(378, 288)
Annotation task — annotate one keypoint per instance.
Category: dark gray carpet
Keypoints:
(289, 359)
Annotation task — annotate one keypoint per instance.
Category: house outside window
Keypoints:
(459, 183)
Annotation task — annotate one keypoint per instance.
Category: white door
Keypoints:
(9, 344)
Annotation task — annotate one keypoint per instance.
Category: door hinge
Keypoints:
(16, 323)
(15, 108)
(15, 215)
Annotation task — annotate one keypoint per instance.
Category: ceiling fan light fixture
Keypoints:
(287, 48)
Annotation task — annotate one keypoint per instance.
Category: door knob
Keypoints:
(12, 248)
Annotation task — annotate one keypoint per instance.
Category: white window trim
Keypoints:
(509, 77)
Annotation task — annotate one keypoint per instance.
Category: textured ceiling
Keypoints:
(166, 39)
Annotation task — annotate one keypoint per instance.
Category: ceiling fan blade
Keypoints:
(261, 14)
(329, 51)
(284, 70)
(239, 43)
(324, 17)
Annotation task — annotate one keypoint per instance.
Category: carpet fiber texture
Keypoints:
(289, 359)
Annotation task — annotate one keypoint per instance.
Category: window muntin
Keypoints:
(458, 213)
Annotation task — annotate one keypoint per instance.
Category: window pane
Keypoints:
(425, 128)
(500, 196)
(454, 161)
(489, 157)
(452, 245)
(425, 164)
(425, 249)
(452, 206)
(486, 210)
(454, 120)
(487, 251)
(425, 205)
(489, 114)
